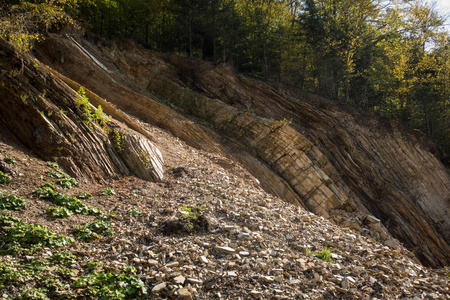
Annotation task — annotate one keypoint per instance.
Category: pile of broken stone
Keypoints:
(258, 246)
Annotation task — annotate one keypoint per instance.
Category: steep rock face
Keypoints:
(41, 111)
(301, 147)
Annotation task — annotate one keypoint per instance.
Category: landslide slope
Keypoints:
(337, 162)
(204, 229)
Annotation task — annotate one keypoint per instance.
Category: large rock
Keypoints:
(41, 111)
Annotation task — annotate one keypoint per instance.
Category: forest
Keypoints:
(388, 56)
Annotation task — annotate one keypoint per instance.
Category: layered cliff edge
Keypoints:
(338, 162)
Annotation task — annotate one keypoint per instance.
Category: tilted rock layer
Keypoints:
(47, 116)
(337, 162)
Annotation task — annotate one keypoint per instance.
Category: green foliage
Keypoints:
(120, 285)
(12, 202)
(84, 196)
(4, 178)
(324, 254)
(134, 212)
(109, 191)
(64, 180)
(64, 272)
(10, 160)
(35, 294)
(117, 140)
(22, 22)
(91, 230)
(59, 212)
(65, 258)
(88, 113)
(71, 204)
(20, 237)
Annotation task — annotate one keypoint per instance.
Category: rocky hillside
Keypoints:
(335, 161)
(145, 202)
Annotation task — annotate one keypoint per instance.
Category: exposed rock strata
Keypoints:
(41, 112)
(327, 159)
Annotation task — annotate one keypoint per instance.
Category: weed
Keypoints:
(64, 180)
(134, 212)
(59, 212)
(117, 140)
(12, 202)
(109, 191)
(121, 285)
(65, 258)
(67, 183)
(94, 265)
(64, 272)
(70, 203)
(324, 254)
(35, 294)
(84, 196)
(285, 121)
(4, 178)
(135, 192)
(19, 237)
(90, 230)
(146, 158)
(90, 115)
(10, 160)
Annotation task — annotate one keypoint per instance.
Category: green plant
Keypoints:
(65, 258)
(35, 294)
(117, 140)
(20, 237)
(72, 204)
(447, 271)
(84, 196)
(12, 202)
(64, 180)
(134, 212)
(135, 192)
(146, 158)
(324, 254)
(94, 265)
(109, 191)
(4, 178)
(91, 230)
(88, 113)
(10, 160)
(111, 285)
(67, 183)
(64, 272)
(59, 211)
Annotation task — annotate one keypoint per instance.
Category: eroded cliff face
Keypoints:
(47, 116)
(339, 163)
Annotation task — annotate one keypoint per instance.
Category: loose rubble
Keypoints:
(257, 246)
